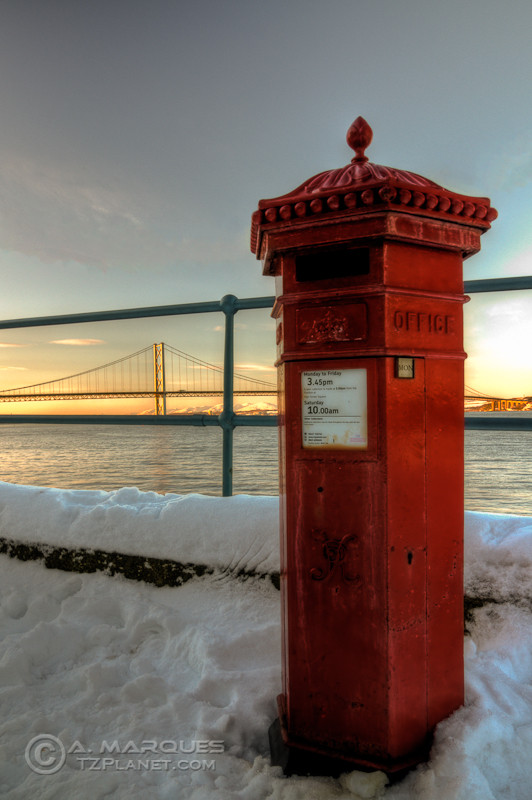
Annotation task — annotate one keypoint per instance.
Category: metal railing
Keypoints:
(227, 420)
(516, 422)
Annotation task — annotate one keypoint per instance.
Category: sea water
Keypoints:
(498, 464)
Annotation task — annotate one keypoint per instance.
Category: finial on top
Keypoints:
(359, 137)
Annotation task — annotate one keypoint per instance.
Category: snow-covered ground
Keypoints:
(169, 692)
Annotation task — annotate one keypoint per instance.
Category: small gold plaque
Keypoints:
(404, 367)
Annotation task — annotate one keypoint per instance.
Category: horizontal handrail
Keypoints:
(196, 420)
(498, 284)
(139, 313)
(472, 287)
(514, 423)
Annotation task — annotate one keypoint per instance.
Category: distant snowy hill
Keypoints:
(250, 407)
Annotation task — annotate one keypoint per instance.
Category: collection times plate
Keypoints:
(335, 408)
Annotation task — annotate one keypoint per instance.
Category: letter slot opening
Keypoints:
(332, 264)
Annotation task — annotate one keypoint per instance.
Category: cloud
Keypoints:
(68, 214)
(502, 339)
(78, 342)
(513, 166)
(238, 326)
(10, 344)
(9, 369)
(62, 213)
(255, 367)
(513, 312)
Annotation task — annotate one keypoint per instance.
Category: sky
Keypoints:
(136, 139)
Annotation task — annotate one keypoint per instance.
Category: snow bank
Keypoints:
(498, 556)
(90, 659)
(229, 533)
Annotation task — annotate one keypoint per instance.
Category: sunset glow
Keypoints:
(132, 157)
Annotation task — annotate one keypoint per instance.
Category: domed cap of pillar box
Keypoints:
(362, 187)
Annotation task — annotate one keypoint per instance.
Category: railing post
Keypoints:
(228, 305)
(159, 379)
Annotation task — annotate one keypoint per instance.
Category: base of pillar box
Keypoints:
(300, 758)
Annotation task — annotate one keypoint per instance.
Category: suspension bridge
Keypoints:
(490, 403)
(158, 371)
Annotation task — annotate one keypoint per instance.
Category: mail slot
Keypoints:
(367, 263)
(332, 264)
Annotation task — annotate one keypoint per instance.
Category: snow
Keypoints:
(180, 683)
(498, 556)
(226, 532)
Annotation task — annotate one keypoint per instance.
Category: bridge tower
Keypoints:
(159, 379)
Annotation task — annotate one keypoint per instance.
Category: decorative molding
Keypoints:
(330, 324)
(330, 328)
(361, 187)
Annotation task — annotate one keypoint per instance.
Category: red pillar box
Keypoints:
(368, 268)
